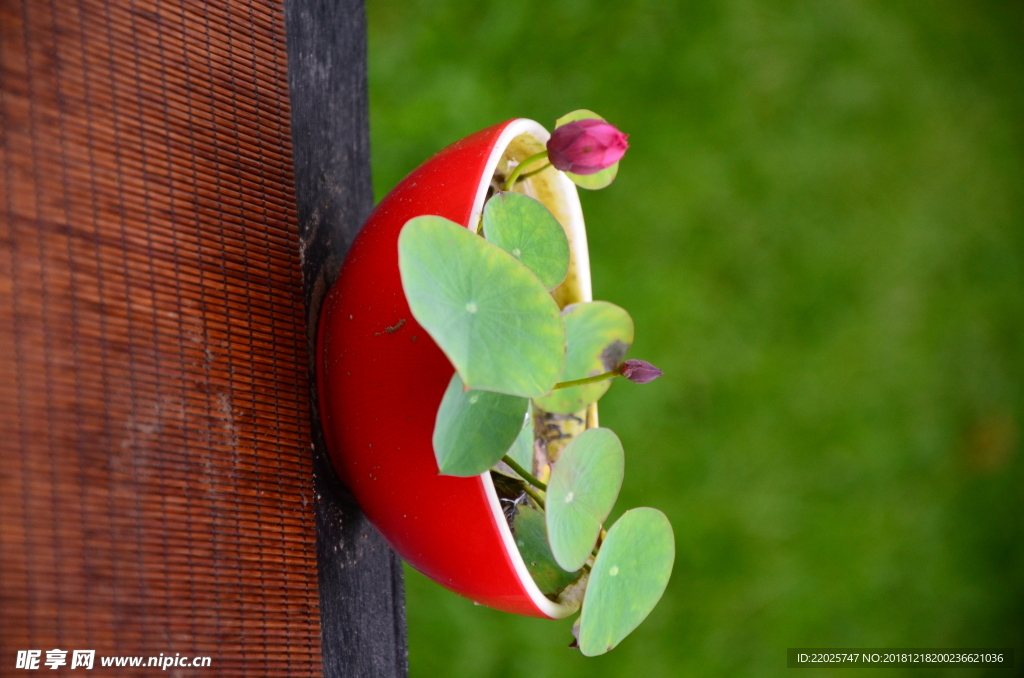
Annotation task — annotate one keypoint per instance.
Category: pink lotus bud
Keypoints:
(639, 371)
(586, 146)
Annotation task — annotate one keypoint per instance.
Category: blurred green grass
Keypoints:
(819, 231)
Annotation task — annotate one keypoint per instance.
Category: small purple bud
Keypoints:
(586, 146)
(639, 371)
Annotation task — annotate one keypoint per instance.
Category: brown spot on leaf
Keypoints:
(613, 355)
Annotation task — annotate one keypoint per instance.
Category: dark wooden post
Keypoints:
(362, 602)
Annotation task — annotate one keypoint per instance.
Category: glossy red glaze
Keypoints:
(381, 379)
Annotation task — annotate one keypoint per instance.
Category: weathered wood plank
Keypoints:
(361, 590)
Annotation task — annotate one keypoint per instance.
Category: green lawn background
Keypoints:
(819, 232)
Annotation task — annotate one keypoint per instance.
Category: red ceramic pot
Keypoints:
(381, 378)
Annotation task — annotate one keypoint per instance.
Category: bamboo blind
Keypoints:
(155, 480)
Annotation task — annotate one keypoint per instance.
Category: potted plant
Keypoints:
(460, 360)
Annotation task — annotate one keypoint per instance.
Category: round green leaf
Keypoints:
(524, 228)
(597, 180)
(584, 484)
(599, 335)
(521, 451)
(533, 547)
(627, 579)
(474, 429)
(488, 312)
(578, 114)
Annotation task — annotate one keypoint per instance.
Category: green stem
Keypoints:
(524, 473)
(511, 181)
(527, 175)
(589, 380)
(535, 496)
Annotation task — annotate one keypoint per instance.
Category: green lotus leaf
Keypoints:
(521, 451)
(485, 309)
(597, 180)
(599, 335)
(474, 429)
(533, 546)
(524, 228)
(584, 484)
(627, 579)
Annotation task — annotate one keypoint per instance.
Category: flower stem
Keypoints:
(534, 495)
(527, 175)
(511, 181)
(589, 380)
(524, 473)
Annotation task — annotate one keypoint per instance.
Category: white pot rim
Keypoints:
(573, 223)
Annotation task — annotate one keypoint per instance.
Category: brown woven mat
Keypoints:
(155, 483)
